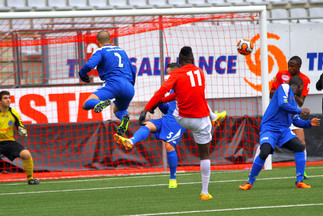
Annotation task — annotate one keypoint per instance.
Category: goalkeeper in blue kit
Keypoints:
(274, 130)
(119, 75)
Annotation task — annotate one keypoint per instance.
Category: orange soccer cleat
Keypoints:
(245, 186)
(206, 197)
(301, 184)
(123, 141)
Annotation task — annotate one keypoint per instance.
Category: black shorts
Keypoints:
(11, 149)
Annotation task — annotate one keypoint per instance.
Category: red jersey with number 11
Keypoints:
(188, 83)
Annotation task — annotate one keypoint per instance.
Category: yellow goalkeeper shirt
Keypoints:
(7, 124)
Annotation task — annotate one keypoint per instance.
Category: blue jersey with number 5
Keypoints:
(112, 63)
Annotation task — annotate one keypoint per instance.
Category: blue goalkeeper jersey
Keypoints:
(113, 64)
(282, 111)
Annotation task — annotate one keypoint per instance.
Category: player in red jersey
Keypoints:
(192, 112)
(294, 65)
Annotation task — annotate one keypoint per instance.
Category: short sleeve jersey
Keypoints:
(284, 76)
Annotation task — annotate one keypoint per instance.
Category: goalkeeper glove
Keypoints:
(22, 131)
(152, 111)
(85, 78)
(142, 118)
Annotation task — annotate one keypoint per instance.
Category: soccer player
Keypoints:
(118, 74)
(9, 118)
(275, 130)
(294, 65)
(192, 111)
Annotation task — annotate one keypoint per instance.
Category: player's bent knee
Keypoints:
(265, 150)
(297, 147)
(294, 145)
(25, 154)
(169, 147)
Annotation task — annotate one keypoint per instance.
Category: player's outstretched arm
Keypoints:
(315, 122)
(152, 110)
(298, 122)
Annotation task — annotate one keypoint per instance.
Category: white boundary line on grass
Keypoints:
(103, 178)
(136, 186)
(231, 209)
(109, 178)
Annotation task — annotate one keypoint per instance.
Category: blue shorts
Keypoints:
(122, 91)
(278, 137)
(168, 130)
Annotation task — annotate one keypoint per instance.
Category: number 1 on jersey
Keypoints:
(192, 79)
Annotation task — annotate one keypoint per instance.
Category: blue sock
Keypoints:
(172, 163)
(90, 104)
(255, 170)
(141, 134)
(121, 113)
(300, 166)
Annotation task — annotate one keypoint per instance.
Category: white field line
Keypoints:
(109, 178)
(231, 209)
(139, 186)
(134, 176)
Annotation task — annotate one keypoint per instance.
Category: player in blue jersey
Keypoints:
(118, 74)
(282, 111)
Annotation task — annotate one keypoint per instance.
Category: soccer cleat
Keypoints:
(172, 183)
(123, 127)
(102, 105)
(245, 186)
(33, 182)
(301, 184)
(306, 177)
(221, 116)
(123, 141)
(206, 196)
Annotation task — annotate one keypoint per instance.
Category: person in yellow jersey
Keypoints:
(9, 118)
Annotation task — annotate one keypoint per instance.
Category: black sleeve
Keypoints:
(319, 83)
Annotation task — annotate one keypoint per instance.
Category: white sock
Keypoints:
(205, 166)
(212, 115)
(257, 151)
(305, 154)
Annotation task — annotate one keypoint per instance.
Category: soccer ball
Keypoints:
(245, 47)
